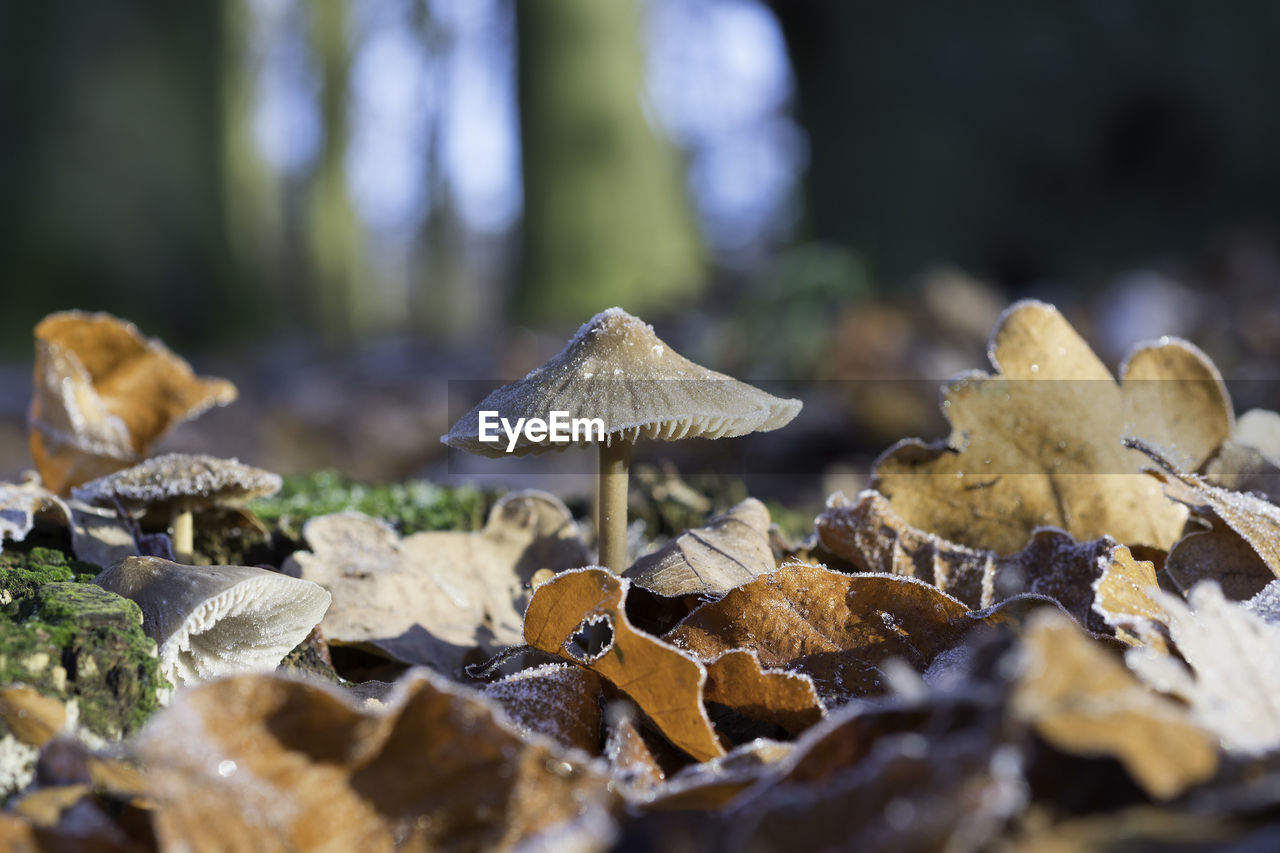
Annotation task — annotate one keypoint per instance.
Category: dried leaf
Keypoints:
(266, 763)
(103, 394)
(632, 764)
(838, 629)
(714, 784)
(19, 505)
(873, 538)
(732, 549)
(1039, 442)
(1241, 548)
(431, 598)
(1250, 460)
(1083, 701)
(558, 701)
(1121, 599)
(787, 699)
(665, 682)
(30, 717)
(1232, 684)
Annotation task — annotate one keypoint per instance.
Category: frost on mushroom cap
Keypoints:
(615, 368)
(215, 620)
(204, 480)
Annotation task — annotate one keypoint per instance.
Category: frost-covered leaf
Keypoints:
(732, 549)
(267, 763)
(1240, 550)
(1121, 598)
(558, 701)
(1250, 460)
(1038, 443)
(1231, 678)
(1082, 700)
(104, 393)
(838, 629)
(19, 505)
(873, 538)
(580, 615)
(433, 597)
(787, 699)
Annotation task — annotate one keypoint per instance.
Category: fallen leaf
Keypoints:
(558, 701)
(635, 770)
(1249, 461)
(1121, 598)
(1240, 550)
(714, 784)
(665, 682)
(1231, 675)
(433, 597)
(1081, 699)
(30, 717)
(267, 763)
(103, 394)
(787, 699)
(19, 505)
(732, 549)
(838, 629)
(1038, 443)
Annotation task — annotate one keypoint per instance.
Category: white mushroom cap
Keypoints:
(615, 368)
(216, 620)
(199, 479)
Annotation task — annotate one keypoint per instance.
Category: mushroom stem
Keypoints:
(183, 532)
(611, 507)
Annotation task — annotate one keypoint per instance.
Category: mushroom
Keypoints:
(181, 483)
(214, 620)
(616, 369)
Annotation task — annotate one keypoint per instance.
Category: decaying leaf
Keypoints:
(1121, 599)
(267, 763)
(836, 628)
(19, 505)
(873, 538)
(1250, 460)
(665, 682)
(715, 783)
(1083, 701)
(104, 393)
(732, 549)
(1232, 684)
(97, 535)
(558, 701)
(1240, 550)
(787, 699)
(431, 598)
(1038, 443)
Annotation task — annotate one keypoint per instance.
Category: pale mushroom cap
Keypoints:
(615, 368)
(202, 480)
(215, 620)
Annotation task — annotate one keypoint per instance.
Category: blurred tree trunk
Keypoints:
(606, 220)
(333, 238)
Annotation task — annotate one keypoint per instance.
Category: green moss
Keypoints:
(22, 572)
(411, 506)
(76, 640)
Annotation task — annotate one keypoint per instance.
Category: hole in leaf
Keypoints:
(591, 640)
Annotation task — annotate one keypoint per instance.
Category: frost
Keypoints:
(1231, 679)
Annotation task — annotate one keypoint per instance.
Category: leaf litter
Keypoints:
(1049, 647)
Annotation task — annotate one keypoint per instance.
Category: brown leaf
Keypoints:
(558, 701)
(873, 538)
(732, 549)
(31, 718)
(1241, 548)
(1250, 460)
(431, 598)
(634, 768)
(787, 699)
(1084, 701)
(1120, 598)
(836, 628)
(665, 682)
(714, 784)
(103, 394)
(1039, 442)
(267, 763)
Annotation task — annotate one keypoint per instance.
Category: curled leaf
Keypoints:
(266, 763)
(103, 394)
(1240, 550)
(433, 597)
(563, 618)
(1038, 443)
(558, 701)
(732, 549)
(1083, 701)
(838, 629)
(1121, 597)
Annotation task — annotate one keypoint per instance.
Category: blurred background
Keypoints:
(344, 205)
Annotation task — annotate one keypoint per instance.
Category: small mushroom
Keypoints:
(616, 369)
(181, 483)
(215, 620)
